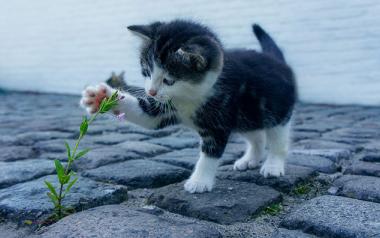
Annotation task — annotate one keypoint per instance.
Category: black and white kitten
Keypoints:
(190, 79)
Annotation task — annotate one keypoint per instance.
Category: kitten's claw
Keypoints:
(194, 186)
(273, 167)
(93, 96)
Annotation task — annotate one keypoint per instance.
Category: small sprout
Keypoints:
(302, 189)
(273, 209)
(66, 177)
(28, 222)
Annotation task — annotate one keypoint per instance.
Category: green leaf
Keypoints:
(53, 199)
(83, 127)
(60, 170)
(70, 185)
(68, 150)
(66, 179)
(51, 188)
(82, 153)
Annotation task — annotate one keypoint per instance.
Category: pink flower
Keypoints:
(121, 117)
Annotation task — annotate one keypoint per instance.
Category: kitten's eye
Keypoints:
(168, 82)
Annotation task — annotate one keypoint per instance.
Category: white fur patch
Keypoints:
(255, 152)
(203, 177)
(278, 146)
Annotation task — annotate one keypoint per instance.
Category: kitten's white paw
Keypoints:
(195, 186)
(244, 164)
(93, 96)
(273, 167)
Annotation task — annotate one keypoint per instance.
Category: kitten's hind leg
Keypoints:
(255, 152)
(278, 139)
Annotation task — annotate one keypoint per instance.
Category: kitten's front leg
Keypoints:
(203, 177)
(128, 104)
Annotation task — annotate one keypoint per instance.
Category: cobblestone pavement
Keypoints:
(131, 183)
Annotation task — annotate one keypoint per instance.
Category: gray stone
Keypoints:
(58, 145)
(139, 173)
(229, 201)
(103, 156)
(143, 148)
(285, 233)
(359, 187)
(334, 216)
(118, 221)
(13, 230)
(293, 175)
(363, 168)
(29, 138)
(321, 164)
(335, 155)
(29, 200)
(12, 153)
(20, 171)
(371, 157)
(115, 138)
(62, 156)
(318, 144)
(187, 158)
(303, 135)
(176, 142)
(316, 127)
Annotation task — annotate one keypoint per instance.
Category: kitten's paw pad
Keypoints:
(93, 96)
(194, 186)
(273, 168)
(244, 164)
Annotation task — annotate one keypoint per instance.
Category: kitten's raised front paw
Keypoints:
(93, 96)
(273, 167)
(244, 164)
(195, 186)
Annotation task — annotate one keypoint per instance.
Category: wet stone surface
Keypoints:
(120, 221)
(225, 204)
(28, 200)
(335, 151)
(333, 216)
(294, 175)
(139, 173)
(359, 187)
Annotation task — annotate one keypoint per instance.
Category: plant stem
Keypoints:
(68, 166)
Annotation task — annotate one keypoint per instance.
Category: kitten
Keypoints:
(190, 79)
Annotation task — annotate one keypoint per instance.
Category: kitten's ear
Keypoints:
(146, 32)
(142, 31)
(113, 76)
(191, 56)
(121, 75)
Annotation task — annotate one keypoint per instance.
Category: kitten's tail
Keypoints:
(267, 43)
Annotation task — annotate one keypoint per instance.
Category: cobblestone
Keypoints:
(332, 216)
(341, 143)
(359, 187)
(225, 205)
(139, 173)
(28, 200)
(120, 221)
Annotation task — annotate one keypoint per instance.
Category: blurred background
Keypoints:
(62, 46)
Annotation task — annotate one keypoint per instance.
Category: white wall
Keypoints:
(61, 46)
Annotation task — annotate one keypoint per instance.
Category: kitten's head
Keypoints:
(179, 59)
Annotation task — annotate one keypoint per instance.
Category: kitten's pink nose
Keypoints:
(152, 92)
